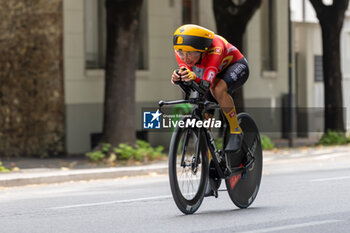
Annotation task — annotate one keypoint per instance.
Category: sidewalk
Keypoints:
(31, 176)
(48, 171)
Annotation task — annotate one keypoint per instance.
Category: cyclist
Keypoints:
(218, 66)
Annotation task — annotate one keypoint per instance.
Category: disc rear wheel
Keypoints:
(243, 190)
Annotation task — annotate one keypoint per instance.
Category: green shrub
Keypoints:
(266, 142)
(96, 156)
(142, 151)
(333, 138)
(218, 143)
(125, 152)
(106, 147)
(3, 169)
(100, 154)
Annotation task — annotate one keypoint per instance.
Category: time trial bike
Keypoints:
(195, 161)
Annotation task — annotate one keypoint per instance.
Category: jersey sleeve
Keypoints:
(215, 57)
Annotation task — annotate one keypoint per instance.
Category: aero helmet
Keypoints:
(190, 37)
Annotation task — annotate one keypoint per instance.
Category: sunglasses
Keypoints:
(192, 54)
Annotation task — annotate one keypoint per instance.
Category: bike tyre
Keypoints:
(185, 205)
(244, 191)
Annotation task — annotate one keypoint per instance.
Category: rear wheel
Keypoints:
(243, 191)
(188, 172)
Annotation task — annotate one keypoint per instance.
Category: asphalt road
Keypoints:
(300, 192)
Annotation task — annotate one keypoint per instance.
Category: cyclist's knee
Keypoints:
(219, 90)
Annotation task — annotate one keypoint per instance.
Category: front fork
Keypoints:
(184, 146)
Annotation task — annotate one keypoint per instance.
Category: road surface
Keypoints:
(303, 191)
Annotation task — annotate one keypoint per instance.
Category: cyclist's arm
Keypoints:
(215, 57)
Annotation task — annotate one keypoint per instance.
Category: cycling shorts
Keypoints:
(234, 76)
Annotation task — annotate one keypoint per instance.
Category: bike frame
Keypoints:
(217, 156)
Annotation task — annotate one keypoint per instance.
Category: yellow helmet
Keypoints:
(190, 37)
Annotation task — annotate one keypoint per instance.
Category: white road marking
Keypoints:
(315, 155)
(293, 226)
(111, 202)
(329, 179)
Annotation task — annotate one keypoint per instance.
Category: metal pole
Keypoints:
(290, 81)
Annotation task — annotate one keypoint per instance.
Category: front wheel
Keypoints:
(243, 191)
(188, 170)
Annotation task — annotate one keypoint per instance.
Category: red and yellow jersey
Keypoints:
(220, 55)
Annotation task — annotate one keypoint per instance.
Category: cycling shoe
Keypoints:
(233, 151)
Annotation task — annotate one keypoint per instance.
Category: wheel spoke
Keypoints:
(189, 179)
(187, 175)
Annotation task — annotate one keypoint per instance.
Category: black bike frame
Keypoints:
(208, 138)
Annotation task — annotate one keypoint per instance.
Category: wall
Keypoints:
(263, 91)
(31, 79)
(84, 89)
(308, 43)
(345, 53)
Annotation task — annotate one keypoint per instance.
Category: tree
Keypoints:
(119, 106)
(232, 17)
(31, 78)
(331, 19)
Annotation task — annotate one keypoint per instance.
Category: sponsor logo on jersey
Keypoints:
(215, 50)
(211, 76)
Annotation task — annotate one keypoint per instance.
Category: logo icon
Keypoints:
(215, 50)
(232, 114)
(151, 120)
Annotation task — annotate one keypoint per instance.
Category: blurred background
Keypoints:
(53, 69)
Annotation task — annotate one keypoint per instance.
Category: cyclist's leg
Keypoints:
(234, 77)
(232, 149)
(229, 80)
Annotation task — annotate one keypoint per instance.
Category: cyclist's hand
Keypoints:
(187, 75)
(176, 76)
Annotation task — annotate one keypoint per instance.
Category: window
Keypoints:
(190, 11)
(268, 35)
(95, 35)
(142, 51)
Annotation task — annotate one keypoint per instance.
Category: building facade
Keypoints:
(309, 87)
(266, 48)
